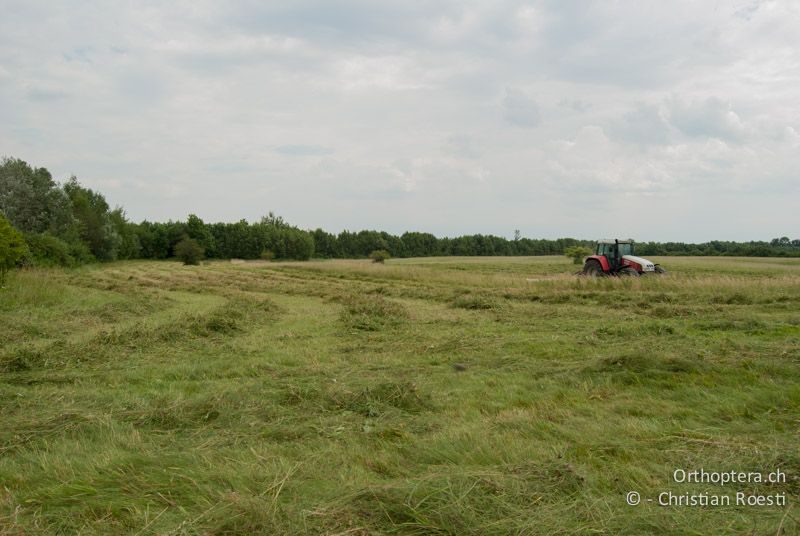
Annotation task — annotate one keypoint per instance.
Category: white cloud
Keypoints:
(519, 109)
(707, 118)
(393, 73)
(591, 162)
(236, 44)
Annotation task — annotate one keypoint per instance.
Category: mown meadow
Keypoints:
(420, 396)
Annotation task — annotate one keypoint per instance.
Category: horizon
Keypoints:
(509, 236)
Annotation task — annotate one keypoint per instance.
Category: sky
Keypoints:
(669, 121)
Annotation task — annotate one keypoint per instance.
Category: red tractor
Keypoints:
(616, 257)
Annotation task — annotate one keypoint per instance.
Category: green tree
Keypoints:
(272, 219)
(368, 241)
(12, 248)
(325, 244)
(198, 230)
(420, 244)
(577, 253)
(96, 228)
(153, 240)
(129, 245)
(189, 251)
(300, 244)
(31, 199)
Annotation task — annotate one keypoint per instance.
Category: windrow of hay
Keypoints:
(371, 312)
(235, 315)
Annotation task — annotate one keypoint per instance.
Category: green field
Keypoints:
(423, 396)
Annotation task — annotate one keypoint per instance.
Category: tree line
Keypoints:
(68, 224)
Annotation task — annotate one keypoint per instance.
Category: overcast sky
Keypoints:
(655, 120)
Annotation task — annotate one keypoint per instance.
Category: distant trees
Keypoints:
(326, 245)
(154, 240)
(777, 247)
(70, 224)
(243, 240)
(421, 244)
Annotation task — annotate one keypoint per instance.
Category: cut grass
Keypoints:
(424, 396)
(371, 312)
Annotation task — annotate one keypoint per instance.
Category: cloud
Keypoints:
(462, 146)
(451, 117)
(303, 150)
(46, 95)
(519, 109)
(576, 105)
(644, 124)
(591, 162)
(707, 118)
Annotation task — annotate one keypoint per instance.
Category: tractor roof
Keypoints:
(612, 241)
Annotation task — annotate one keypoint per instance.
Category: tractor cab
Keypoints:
(613, 251)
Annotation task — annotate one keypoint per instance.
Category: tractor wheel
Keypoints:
(629, 272)
(592, 268)
(660, 270)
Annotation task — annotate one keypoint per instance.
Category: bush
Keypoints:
(45, 249)
(577, 253)
(80, 253)
(12, 248)
(267, 255)
(379, 255)
(189, 251)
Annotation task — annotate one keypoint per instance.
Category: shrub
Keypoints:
(12, 248)
(577, 253)
(267, 255)
(47, 250)
(379, 255)
(189, 251)
(80, 253)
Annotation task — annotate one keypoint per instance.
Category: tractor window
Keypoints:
(626, 249)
